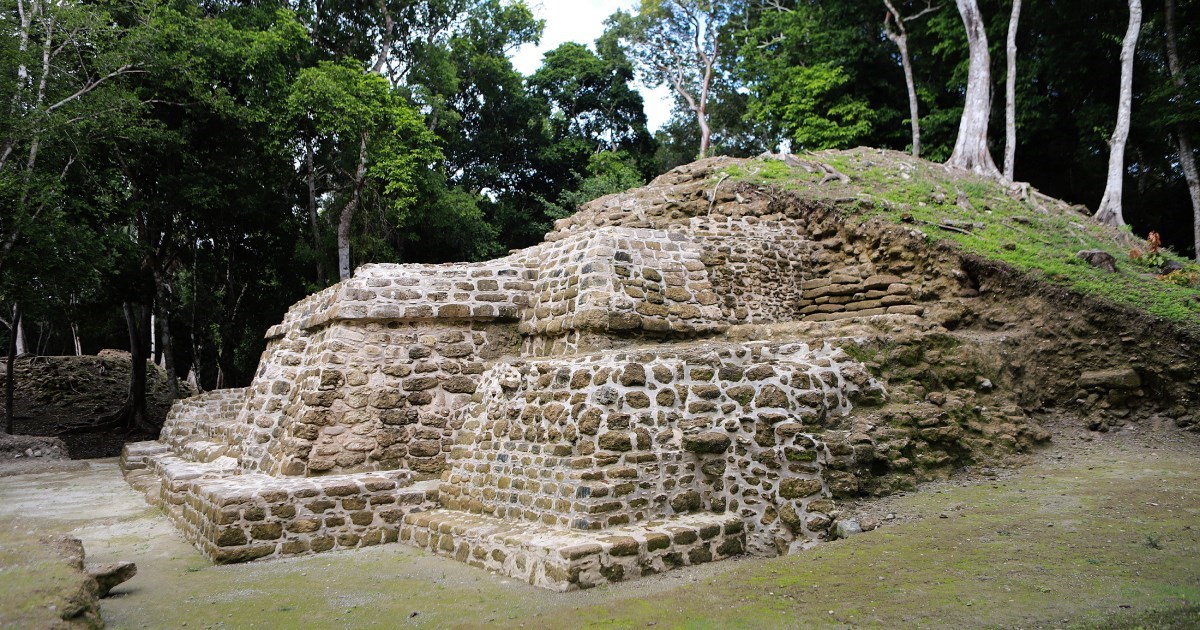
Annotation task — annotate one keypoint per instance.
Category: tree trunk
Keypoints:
(19, 336)
(153, 338)
(1010, 94)
(313, 219)
(705, 131)
(1187, 159)
(971, 149)
(1109, 211)
(347, 218)
(139, 327)
(913, 106)
(168, 353)
(10, 378)
(75, 339)
(899, 37)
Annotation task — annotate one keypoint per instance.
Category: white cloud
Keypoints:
(583, 21)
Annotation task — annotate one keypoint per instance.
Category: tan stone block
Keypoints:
(266, 531)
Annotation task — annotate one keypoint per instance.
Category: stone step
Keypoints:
(235, 516)
(137, 455)
(202, 450)
(562, 559)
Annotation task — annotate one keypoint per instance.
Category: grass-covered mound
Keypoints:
(1012, 225)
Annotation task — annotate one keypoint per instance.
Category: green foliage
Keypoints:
(800, 67)
(811, 106)
(608, 172)
(348, 110)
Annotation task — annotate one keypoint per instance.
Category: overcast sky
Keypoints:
(583, 21)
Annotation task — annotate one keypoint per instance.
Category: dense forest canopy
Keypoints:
(203, 164)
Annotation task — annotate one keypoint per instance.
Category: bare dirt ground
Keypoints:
(1099, 530)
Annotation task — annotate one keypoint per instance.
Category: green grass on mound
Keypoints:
(1036, 235)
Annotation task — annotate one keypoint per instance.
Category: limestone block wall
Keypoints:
(614, 280)
(261, 419)
(567, 560)
(606, 440)
(234, 516)
(205, 426)
(379, 396)
(366, 375)
(241, 518)
(756, 267)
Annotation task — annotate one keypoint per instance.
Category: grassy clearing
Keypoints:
(1062, 544)
(1041, 238)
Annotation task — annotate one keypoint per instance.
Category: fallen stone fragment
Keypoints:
(846, 528)
(1117, 378)
(1098, 258)
(108, 576)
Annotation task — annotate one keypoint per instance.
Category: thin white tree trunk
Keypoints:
(913, 105)
(1109, 211)
(75, 339)
(899, 37)
(22, 346)
(347, 219)
(971, 149)
(1187, 159)
(194, 381)
(1010, 94)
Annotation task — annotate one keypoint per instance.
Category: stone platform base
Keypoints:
(563, 560)
(234, 517)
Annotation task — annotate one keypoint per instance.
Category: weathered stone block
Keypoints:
(707, 442)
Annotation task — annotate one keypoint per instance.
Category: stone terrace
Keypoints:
(566, 415)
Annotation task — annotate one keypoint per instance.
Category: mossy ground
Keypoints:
(1033, 235)
(37, 584)
(1106, 535)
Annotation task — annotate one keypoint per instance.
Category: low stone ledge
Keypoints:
(561, 559)
(234, 517)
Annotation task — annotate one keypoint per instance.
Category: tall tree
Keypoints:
(380, 142)
(971, 148)
(898, 34)
(597, 126)
(67, 56)
(10, 372)
(1110, 211)
(1010, 93)
(678, 43)
(1187, 157)
(795, 77)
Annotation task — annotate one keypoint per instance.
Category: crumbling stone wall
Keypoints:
(607, 440)
(587, 386)
(205, 426)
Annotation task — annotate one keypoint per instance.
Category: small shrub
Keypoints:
(1182, 278)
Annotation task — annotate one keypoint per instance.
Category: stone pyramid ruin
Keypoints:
(648, 388)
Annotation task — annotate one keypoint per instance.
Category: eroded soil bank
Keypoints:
(1096, 530)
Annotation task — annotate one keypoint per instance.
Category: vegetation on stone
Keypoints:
(1016, 227)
